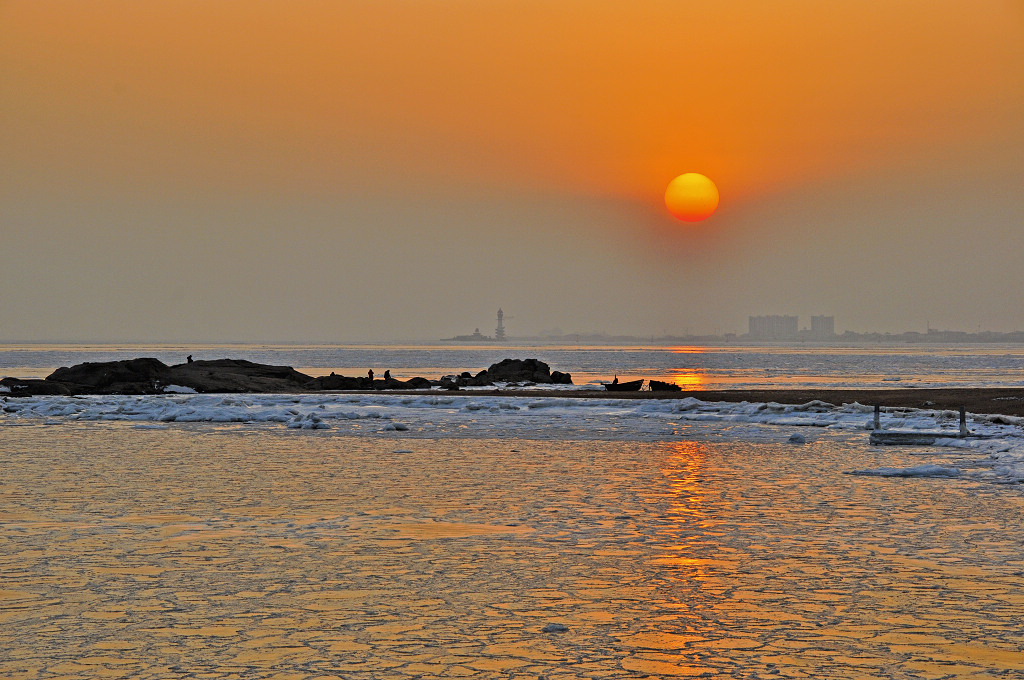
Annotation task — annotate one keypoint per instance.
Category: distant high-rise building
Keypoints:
(773, 327)
(823, 326)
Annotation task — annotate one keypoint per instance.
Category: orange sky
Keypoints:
(463, 100)
(602, 98)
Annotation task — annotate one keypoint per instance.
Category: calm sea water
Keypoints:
(690, 367)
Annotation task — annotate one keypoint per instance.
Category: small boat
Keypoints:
(659, 386)
(631, 386)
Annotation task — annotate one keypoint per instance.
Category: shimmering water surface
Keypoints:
(243, 551)
(793, 365)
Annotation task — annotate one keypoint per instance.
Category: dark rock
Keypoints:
(341, 382)
(129, 374)
(481, 379)
(448, 382)
(524, 370)
(236, 375)
(150, 376)
(20, 387)
(336, 382)
(560, 378)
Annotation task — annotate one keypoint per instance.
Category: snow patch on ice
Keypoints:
(929, 470)
(179, 389)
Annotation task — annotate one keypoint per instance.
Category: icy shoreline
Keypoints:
(999, 446)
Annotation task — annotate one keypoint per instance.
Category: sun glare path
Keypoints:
(689, 380)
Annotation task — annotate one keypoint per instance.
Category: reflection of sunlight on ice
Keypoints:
(687, 508)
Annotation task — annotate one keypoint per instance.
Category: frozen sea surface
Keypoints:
(996, 455)
(199, 536)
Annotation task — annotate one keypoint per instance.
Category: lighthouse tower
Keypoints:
(499, 332)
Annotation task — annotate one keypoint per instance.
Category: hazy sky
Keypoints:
(351, 171)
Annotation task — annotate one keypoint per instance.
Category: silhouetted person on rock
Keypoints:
(370, 374)
(188, 358)
(387, 374)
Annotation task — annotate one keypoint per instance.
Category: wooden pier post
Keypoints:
(878, 416)
(963, 422)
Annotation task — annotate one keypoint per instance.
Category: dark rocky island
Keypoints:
(152, 376)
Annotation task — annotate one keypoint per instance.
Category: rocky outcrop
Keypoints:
(339, 382)
(524, 371)
(236, 375)
(152, 376)
(395, 384)
(26, 387)
(130, 376)
(344, 382)
(514, 371)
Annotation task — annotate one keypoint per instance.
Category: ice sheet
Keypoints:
(929, 470)
(998, 453)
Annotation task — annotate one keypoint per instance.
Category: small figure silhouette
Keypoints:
(387, 374)
(189, 358)
(370, 373)
(616, 381)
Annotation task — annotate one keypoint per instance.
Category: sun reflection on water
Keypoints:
(687, 511)
(689, 380)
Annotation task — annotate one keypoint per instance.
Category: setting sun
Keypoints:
(691, 197)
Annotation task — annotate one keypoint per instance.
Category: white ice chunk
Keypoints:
(928, 470)
(179, 389)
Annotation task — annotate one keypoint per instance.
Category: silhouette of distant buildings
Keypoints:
(767, 328)
(773, 327)
(823, 327)
(785, 327)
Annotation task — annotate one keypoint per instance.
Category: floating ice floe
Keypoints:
(915, 471)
